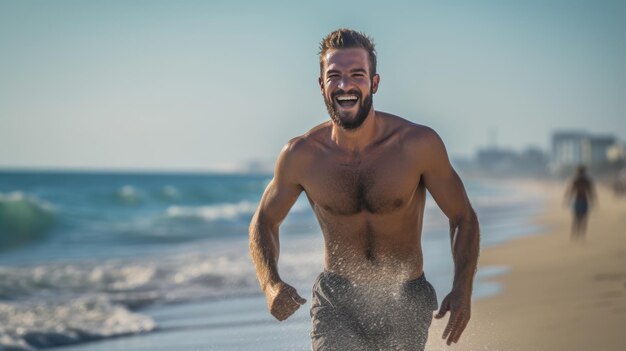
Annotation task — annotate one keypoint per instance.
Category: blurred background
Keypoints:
(136, 138)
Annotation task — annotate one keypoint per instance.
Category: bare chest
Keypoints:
(378, 185)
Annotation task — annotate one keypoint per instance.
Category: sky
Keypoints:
(213, 85)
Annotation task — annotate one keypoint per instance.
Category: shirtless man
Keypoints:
(365, 174)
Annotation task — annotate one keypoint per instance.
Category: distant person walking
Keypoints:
(581, 195)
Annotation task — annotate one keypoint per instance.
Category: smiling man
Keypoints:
(365, 174)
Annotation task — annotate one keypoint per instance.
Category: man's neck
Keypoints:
(357, 139)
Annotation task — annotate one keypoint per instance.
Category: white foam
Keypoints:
(224, 211)
(128, 194)
(18, 197)
(45, 324)
(227, 211)
(130, 282)
(64, 303)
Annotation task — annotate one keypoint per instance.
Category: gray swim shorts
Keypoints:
(348, 317)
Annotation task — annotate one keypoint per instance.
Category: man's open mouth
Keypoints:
(347, 100)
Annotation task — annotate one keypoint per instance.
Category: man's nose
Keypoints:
(345, 83)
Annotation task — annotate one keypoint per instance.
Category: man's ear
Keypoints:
(375, 82)
(321, 83)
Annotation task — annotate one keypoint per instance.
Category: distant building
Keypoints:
(599, 147)
(494, 161)
(534, 160)
(567, 149)
(570, 149)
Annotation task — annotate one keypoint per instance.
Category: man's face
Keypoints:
(347, 86)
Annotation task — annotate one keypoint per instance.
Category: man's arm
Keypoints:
(447, 190)
(279, 196)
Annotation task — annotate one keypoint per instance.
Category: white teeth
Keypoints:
(346, 97)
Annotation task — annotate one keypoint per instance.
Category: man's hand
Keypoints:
(459, 305)
(283, 300)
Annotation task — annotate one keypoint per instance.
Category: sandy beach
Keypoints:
(558, 294)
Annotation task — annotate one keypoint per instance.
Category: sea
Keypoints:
(156, 261)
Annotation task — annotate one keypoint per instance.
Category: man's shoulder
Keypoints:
(421, 144)
(411, 133)
(309, 141)
(300, 149)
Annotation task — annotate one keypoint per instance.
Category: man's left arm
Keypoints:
(447, 190)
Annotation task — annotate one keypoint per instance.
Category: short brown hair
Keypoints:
(344, 38)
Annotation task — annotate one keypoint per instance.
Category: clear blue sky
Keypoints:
(200, 85)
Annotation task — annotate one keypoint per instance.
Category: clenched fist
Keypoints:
(283, 300)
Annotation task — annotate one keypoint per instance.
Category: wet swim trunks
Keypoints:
(348, 317)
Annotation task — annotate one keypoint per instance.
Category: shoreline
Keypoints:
(556, 294)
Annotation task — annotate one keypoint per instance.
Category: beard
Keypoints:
(365, 105)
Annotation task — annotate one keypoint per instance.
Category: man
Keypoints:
(365, 174)
(581, 194)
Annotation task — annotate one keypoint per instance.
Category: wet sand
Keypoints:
(559, 294)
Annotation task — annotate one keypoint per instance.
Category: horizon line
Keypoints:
(120, 170)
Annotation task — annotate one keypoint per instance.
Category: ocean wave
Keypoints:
(138, 282)
(23, 219)
(64, 303)
(46, 324)
(131, 283)
(169, 193)
(226, 211)
(60, 303)
(127, 194)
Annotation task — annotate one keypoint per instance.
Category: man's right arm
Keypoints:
(278, 198)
